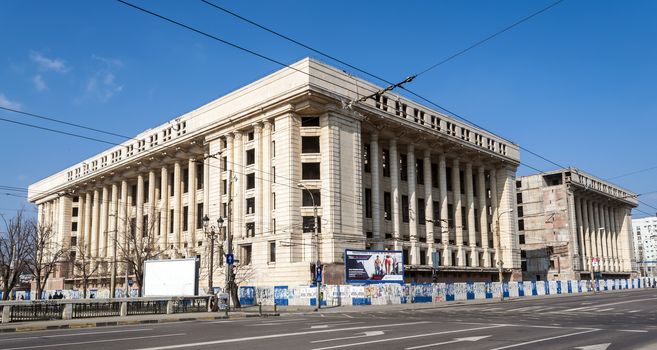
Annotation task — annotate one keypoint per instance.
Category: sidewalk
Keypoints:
(123, 320)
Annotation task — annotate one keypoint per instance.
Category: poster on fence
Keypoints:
(374, 266)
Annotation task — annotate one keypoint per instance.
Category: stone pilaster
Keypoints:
(470, 215)
(483, 215)
(376, 190)
(428, 201)
(444, 214)
(396, 198)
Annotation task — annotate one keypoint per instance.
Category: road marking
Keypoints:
(457, 340)
(328, 324)
(603, 305)
(77, 334)
(603, 310)
(365, 334)
(544, 339)
(407, 337)
(594, 347)
(634, 311)
(95, 341)
(348, 316)
(632, 330)
(280, 335)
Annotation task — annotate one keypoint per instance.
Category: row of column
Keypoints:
(602, 236)
(434, 226)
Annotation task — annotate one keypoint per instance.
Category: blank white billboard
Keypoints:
(176, 277)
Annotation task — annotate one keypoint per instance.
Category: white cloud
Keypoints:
(39, 84)
(49, 64)
(102, 84)
(5, 102)
(110, 62)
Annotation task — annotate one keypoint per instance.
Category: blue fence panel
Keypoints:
(534, 288)
(546, 285)
(470, 292)
(449, 292)
(281, 295)
(247, 295)
(558, 287)
(360, 301)
(521, 289)
(505, 289)
(489, 290)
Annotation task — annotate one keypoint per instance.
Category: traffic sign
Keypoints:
(230, 259)
(319, 273)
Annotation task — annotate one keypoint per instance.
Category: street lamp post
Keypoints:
(212, 235)
(316, 238)
(498, 253)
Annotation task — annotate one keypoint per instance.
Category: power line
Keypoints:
(633, 172)
(480, 42)
(64, 122)
(57, 131)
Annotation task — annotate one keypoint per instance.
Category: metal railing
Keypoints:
(190, 305)
(99, 309)
(37, 312)
(147, 307)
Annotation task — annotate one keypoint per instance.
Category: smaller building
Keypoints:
(645, 245)
(572, 225)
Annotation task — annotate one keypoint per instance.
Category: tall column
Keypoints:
(428, 200)
(587, 234)
(598, 235)
(230, 165)
(580, 231)
(574, 255)
(112, 227)
(496, 210)
(394, 187)
(483, 214)
(102, 245)
(266, 185)
(614, 238)
(412, 204)
(259, 177)
(603, 238)
(376, 190)
(191, 203)
(95, 224)
(238, 186)
(593, 229)
(123, 217)
(626, 239)
(608, 240)
(164, 207)
(470, 208)
(508, 216)
(81, 223)
(87, 224)
(458, 220)
(444, 215)
(177, 205)
(152, 218)
(139, 219)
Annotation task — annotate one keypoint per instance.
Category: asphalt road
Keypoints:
(590, 322)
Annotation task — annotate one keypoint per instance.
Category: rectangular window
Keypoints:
(310, 171)
(310, 144)
(250, 136)
(250, 205)
(273, 226)
(421, 211)
(133, 227)
(521, 239)
(448, 176)
(171, 184)
(462, 181)
(403, 167)
(477, 223)
(76, 199)
(272, 252)
(450, 215)
(405, 257)
(405, 209)
(436, 213)
(385, 161)
(224, 163)
(224, 185)
(309, 121)
(133, 193)
(250, 157)
(224, 209)
(368, 203)
(74, 226)
(309, 224)
(185, 219)
(434, 175)
(199, 176)
(308, 199)
(273, 201)
(419, 171)
(250, 229)
(387, 205)
(245, 253)
(185, 180)
(521, 225)
(145, 226)
(366, 158)
(159, 186)
(474, 184)
(464, 218)
(423, 257)
(199, 215)
(519, 197)
(75, 212)
(250, 181)
(273, 149)
(74, 241)
(521, 213)
(146, 192)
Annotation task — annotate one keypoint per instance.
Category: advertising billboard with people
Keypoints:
(374, 266)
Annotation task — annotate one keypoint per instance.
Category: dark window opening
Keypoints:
(368, 203)
(419, 171)
(146, 192)
(246, 254)
(464, 218)
(310, 171)
(521, 212)
(366, 158)
(521, 225)
(519, 197)
(405, 209)
(171, 220)
(521, 239)
(250, 231)
(199, 176)
(436, 213)
(434, 175)
(450, 216)
(250, 156)
(75, 212)
(421, 211)
(403, 167)
(185, 218)
(448, 176)
(272, 252)
(250, 181)
(387, 205)
(74, 226)
(310, 144)
(308, 199)
(309, 121)
(385, 161)
(199, 215)
(462, 181)
(309, 224)
(185, 178)
(250, 205)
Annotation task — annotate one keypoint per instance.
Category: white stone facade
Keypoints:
(568, 220)
(388, 173)
(645, 245)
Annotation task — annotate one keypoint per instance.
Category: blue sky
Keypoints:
(576, 84)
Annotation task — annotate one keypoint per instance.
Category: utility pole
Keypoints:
(498, 253)
(229, 238)
(316, 239)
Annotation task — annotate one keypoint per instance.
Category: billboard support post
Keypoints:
(229, 240)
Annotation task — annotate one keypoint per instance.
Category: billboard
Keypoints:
(175, 277)
(374, 266)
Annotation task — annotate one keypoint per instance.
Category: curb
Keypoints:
(78, 325)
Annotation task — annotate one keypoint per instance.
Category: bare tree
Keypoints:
(44, 256)
(15, 249)
(84, 267)
(139, 245)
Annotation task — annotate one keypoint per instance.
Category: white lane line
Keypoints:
(406, 337)
(633, 330)
(545, 339)
(603, 310)
(608, 304)
(634, 311)
(280, 335)
(327, 325)
(77, 334)
(457, 340)
(348, 316)
(365, 334)
(95, 341)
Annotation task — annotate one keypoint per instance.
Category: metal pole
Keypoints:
(113, 277)
(498, 253)
(317, 265)
(229, 238)
(211, 272)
